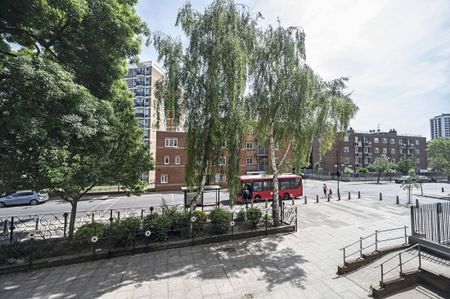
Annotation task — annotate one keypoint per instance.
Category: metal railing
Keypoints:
(376, 241)
(432, 222)
(401, 262)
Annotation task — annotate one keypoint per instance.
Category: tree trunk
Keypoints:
(379, 175)
(275, 206)
(421, 189)
(73, 215)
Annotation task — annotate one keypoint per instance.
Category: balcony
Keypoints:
(140, 73)
(139, 83)
(262, 152)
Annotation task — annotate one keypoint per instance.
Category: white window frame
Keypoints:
(177, 160)
(171, 142)
(166, 160)
(384, 140)
(392, 151)
(164, 179)
(220, 178)
(247, 161)
(377, 150)
(392, 141)
(346, 149)
(222, 159)
(346, 138)
(249, 145)
(417, 142)
(385, 151)
(375, 140)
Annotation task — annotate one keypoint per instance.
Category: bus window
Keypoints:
(267, 185)
(293, 183)
(257, 186)
(284, 184)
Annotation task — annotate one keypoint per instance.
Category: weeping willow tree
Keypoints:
(205, 82)
(290, 104)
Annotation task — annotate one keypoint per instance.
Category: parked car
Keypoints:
(403, 179)
(425, 179)
(23, 197)
(422, 179)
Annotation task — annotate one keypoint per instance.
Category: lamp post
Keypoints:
(338, 172)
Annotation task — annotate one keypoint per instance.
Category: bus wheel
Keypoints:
(257, 198)
(285, 196)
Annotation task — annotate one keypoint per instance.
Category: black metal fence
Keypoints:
(25, 239)
(432, 222)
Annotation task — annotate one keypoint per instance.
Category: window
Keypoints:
(249, 145)
(249, 161)
(384, 150)
(277, 146)
(346, 138)
(171, 142)
(356, 149)
(346, 160)
(366, 150)
(384, 140)
(393, 160)
(392, 151)
(177, 160)
(417, 151)
(166, 160)
(377, 150)
(366, 161)
(356, 138)
(164, 179)
(417, 142)
(258, 186)
(418, 161)
(346, 149)
(222, 161)
(392, 141)
(375, 140)
(220, 178)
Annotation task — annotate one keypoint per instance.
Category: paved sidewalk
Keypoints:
(297, 265)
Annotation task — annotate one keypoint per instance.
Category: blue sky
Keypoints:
(396, 52)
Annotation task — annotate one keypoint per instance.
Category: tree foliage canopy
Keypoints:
(206, 82)
(404, 165)
(439, 154)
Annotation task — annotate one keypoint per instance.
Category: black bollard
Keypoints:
(442, 189)
(317, 198)
(306, 201)
(381, 196)
(397, 201)
(339, 196)
(417, 203)
(349, 196)
(328, 198)
(359, 195)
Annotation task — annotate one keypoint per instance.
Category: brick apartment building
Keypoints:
(171, 158)
(359, 149)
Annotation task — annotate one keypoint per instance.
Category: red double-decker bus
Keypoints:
(260, 187)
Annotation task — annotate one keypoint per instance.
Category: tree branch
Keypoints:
(285, 154)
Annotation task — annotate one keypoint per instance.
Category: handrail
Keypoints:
(405, 250)
(375, 243)
(401, 263)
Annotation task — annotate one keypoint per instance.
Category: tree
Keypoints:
(404, 165)
(411, 183)
(439, 155)
(290, 104)
(206, 82)
(67, 116)
(381, 164)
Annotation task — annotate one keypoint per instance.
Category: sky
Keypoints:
(396, 53)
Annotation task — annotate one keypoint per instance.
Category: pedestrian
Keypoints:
(324, 190)
(330, 193)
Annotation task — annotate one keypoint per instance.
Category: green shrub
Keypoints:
(180, 222)
(125, 230)
(147, 221)
(200, 220)
(254, 216)
(85, 232)
(241, 216)
(160, 227)
(220, 221)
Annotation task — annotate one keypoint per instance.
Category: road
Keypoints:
(311, 189)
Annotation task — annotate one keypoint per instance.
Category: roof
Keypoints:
(267, 176)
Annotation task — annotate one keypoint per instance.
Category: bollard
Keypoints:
(339, 196)
(317, 198)
(417, 203)
(442, 189)
(328, 198)
(381, 196)
(349, 196)
(359, 195)
(306, 201)
(397, 201)
(293, 203)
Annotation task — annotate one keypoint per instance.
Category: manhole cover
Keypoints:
(248, 296)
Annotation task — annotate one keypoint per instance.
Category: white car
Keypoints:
(23, 197)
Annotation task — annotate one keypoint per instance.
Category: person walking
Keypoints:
(325, 190)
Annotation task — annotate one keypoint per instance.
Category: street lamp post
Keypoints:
(338, 172)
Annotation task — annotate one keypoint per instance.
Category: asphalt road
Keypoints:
(311, 189)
